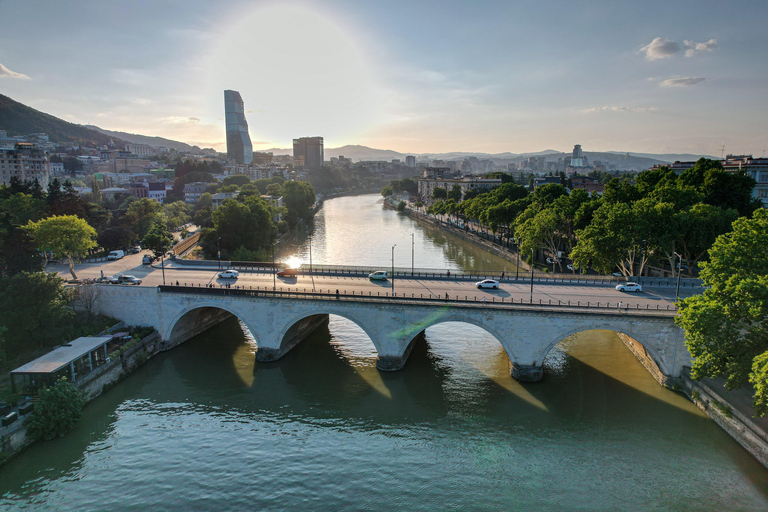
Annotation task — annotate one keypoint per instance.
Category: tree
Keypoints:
(298, 198)
(116, 237)
(455, 193)
(387, 191)
(159, 240)
(439, 193)
(248, 225)
(726, 329)
(275, 189)
(238, 179)
(699, 228)
(143, 214)
(57, 410)
(176, 214)
(39, 299)
(64, 235)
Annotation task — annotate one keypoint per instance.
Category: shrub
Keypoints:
(57, 411)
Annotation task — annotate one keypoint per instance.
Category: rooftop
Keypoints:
(62, 356)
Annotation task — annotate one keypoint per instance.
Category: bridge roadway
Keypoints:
(652, 297)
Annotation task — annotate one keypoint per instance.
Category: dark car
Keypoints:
(147, 260)
(288, 272)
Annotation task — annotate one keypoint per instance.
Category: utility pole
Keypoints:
(274, 274)
(679, 273)
(310, 263)
(413, 252)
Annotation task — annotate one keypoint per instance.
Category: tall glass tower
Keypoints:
(239, 147)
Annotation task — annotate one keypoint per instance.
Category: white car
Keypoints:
(488, 283)
(379, 275)
(229, 274)
(553, 260)
(629, 287)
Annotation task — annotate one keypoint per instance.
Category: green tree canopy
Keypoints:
(298, 198)
(57, 410)
(143, 214)
(65, 235)
(726, 329)
(439, 193)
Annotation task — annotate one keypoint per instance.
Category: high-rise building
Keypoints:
(310, 149)
(239, 147)
(24, 161)
(578, 159)
(410, 161)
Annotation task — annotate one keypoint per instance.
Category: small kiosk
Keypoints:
(72, 360)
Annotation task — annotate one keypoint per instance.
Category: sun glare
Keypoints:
(299, 73)
(293, 262)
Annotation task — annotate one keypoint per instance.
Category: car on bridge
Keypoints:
(288, 272)
(229, 274)
(126, 279)
(488, 283)
(379, 275)
(629, 287)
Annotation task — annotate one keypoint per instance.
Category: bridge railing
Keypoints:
(412, 298)
(459, 275)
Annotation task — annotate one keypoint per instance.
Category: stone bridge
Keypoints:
(279, 321)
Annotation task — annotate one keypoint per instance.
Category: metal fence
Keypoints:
(412, 298)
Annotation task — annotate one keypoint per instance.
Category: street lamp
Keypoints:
(413, 252)
(218, 247)
(517, 268)
(679, 273)
(393, 269)
(532, 265)
(274, 276)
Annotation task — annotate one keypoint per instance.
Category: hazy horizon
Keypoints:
(412, 77)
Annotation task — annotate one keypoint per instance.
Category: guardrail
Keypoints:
(405, 298)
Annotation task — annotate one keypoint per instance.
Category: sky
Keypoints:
(412, 76)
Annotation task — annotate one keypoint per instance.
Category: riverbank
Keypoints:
(13, 437)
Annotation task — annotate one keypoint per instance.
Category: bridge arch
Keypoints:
(452, 317)
(635, 336)
(199, 317)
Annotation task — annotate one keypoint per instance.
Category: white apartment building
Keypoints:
(25, 162)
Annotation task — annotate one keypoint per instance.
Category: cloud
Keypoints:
(5, 72)
(620, 109)
(660, 48)
(694, 48)
(682, 82)
(179, 120)
(194, 119)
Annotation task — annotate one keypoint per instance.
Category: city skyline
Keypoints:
(655, 78)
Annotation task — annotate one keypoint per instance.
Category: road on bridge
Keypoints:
(651, 297)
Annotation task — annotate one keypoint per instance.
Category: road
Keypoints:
(650, 297)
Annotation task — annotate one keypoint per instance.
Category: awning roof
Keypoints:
(62, 356)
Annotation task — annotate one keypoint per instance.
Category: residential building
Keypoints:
(277, 203)
(410, 161)
(311, 150)
(239, 147)
(545, 180)
(193, 191)
(427, 185)
(140, 149)
(156, 191)
(219, 198)
(24, 161)
(756, 168)
(138, 190)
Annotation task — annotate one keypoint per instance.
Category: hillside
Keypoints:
(19, 119)
(135, 138)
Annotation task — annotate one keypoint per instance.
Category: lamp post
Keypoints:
(393, 269)
(679, 273)
(517, 268)
(310, 263)
(274, 275)
(532, 265)
(413, 252)
(218, 247)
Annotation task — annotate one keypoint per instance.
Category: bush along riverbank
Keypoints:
(56, 409)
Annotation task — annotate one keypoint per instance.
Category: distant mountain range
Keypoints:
(135, 138)
(19, 119)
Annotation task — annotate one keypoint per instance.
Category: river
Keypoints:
(204, 428)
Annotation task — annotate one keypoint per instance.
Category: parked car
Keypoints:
(229, 274)
(379, 275)
(115, 255)
(288, 272)
(134, 250)
(629, 287)
(569, 266)
(552, 260)
(147, 259)
(488, 283)
(128, 279)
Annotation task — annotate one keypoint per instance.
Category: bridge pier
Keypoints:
(526, 372)
(295, 335)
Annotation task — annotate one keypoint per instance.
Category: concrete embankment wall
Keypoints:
(738, 425)
(645, 358)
